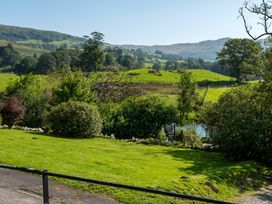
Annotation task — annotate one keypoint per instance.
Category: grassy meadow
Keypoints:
(142, 76)
(6, 79)
(158, 167)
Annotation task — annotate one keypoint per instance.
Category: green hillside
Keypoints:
(205, 49)
(23, 49)
(167, 77)
(48, 40)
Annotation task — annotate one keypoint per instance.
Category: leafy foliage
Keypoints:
(34, 96)
(241, 56)
(9, 56)
(73, 86)
(240, 123)
(187, 96)
(12, 111)
(75, 119)
(92, 57)
(142, 117)
(26, 65)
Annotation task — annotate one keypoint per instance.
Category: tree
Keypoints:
(46, 63)
(109, 59)
(62, 58)
(263, 11)
(128, 61)
(73, 86)
(156, 65)
(9, 56)
(26, 65)
(241, 56)
(92, 57)
(186, 96)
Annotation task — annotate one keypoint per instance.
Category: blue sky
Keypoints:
(130, 21)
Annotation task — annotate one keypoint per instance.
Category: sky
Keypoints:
(145, 22)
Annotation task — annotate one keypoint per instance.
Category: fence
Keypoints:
(45, 175)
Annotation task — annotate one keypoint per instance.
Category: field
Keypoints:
(25, 50)
(167, 92)
(167, 77)
(6, 79)
(129, 163)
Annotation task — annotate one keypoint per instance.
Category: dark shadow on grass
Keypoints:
(62, 137)
(243, 175)
(264, 197)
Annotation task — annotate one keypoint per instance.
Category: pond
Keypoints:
(199, 128)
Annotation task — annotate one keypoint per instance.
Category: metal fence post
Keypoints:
(45, 187)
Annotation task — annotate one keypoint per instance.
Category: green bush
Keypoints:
(75, 119)
(1, 119)
(35, 97)
(108, 112)
(240, 123)
(73, 86)
(141, 117)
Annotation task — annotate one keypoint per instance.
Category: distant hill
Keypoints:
(47, 40)
(205, 49)
(42, 41)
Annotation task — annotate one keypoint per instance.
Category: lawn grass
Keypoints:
(6, 79)
(143, 76)
(166, 168)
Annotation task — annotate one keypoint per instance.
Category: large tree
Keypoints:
(9, 56)
(92, 57)
(241, 57)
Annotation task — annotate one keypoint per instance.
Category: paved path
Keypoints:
(18, 187)
(263, 196)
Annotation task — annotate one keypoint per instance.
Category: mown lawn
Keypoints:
(167, 77)
(166, 168)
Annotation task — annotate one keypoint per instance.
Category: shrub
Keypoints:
(34, 96)
(240, 123)
(141, 117)
(75, 119)
(1, 119)
(73, 86)
(12, 111)
(108, 112)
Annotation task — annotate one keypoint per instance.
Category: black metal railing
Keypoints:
(46, 173)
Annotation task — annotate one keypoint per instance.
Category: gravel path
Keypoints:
(263, 196)
(18, 187)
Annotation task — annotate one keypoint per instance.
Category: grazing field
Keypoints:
(167, 77)
(213, 95)
(166, 168)
(25, 50)
(6, 79)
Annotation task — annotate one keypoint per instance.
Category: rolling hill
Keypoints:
(41, 39)
(50, 40)
(206, 49)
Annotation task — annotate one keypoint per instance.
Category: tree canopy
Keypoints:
(241, 57)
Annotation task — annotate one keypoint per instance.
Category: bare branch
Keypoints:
(263, 10)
